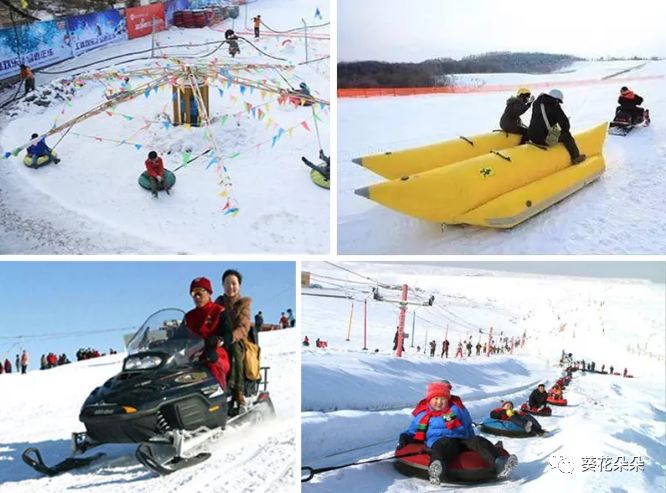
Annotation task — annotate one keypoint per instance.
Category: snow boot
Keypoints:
(154, 195)
(528, 427)
(167, 191)
(504, 466)
(435, 471)
(579, 159)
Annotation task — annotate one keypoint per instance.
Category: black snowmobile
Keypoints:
(624, 122)
(164, 399)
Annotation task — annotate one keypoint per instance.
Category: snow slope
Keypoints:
(355, 403)
(90, 203)
(618, 214)
(41, 409)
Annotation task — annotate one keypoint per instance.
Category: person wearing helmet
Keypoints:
(155, 169)
(304, 89)
(629, 102)
(232, 39)
(547, 113)
(516, 106)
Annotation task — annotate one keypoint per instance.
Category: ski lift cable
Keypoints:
(355, 273)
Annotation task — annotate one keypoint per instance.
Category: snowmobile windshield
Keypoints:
(165, 332)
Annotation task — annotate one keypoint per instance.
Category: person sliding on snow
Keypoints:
(443, 423)
(39, 149)
(549, 125)
(155, 169)
(516, 106)
(232, 39)
(629, 103)
(556, 392)
(205, 320)
(524, 420)
(538, 398)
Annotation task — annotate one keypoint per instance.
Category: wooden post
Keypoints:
(365, 324)
(401, 321)
(350, 321)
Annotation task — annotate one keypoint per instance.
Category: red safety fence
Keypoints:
(416, 91)
(140, 20)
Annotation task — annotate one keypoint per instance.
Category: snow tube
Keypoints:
(504, 428)
(556, 402)
(468, 467)
(169, 177)
(499, 189)
(41, 161)
(392, 165)
(546, 411)
(319, 179)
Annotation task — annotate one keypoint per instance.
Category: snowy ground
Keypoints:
(355, 403)
(618, 214)
(90, 202)
(41, 409)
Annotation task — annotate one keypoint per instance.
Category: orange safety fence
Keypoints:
(416, 91)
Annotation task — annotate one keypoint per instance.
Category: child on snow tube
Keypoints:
(445, 426)
(524, 420)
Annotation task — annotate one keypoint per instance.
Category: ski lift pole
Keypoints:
(307, 60)
(365, 324)
(490, 338)
(413, 325)
(401, 320)
(350, 321)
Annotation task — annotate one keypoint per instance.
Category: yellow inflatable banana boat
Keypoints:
(396, 164)
(499, 189)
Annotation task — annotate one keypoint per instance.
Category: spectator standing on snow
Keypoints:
(459, 351)
(25, 360)
(284, 321)
(258, 323)
(257, 25)
(433, 347)
(8, 366)
(469, 348)
(290, 316)
(478, 348)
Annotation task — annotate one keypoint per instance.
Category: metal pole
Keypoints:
(413, 324)
(401, 319)
(350, 321)
(152, 47)
(306, 41)
(365, 324)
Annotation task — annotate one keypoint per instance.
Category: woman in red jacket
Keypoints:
(205, 321)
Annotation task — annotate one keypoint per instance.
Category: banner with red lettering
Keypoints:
(140, 20)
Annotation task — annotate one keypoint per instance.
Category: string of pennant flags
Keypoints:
(217, 77)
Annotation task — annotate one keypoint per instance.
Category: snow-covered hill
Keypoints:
(618, 214)
(356, 402)
(41, 409)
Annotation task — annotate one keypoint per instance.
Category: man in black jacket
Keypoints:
(516, 106)
(539, 124)
(538, 397)
(629, 102)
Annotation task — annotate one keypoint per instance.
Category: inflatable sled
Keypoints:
(468, 467)
(318, 173)
(41, 161)
(546, 411)
(169, 178)
(504, 428)
(320, 180)
(623, 123)
(396, 164)
(556, 402)
(499, 189)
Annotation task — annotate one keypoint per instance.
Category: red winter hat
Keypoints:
(438, 389)
(201, 282)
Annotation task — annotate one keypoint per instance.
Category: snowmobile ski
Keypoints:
(145, 456)
(33, 458)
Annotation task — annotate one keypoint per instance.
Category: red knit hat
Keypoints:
(438, 389)
(201, 282)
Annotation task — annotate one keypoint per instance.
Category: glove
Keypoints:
(532, 99)
(404, 440)
(509, 412)
(159, 179)
(210, 352)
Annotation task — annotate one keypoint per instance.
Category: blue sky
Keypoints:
(46, 298)
(398, 31)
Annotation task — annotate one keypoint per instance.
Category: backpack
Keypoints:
(251, 360)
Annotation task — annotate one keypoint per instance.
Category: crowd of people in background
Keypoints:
(20, 364)
(567, 361)
(466, 348)
(52, 360)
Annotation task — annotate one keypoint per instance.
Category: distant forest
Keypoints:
(434, 72)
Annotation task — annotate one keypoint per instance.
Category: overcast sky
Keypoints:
(652, 271)
(399, 31)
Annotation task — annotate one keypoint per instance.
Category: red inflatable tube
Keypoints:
(468, 467)
(546, 411)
